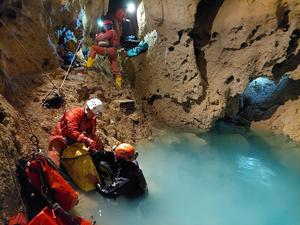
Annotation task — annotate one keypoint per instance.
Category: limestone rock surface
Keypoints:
(206, 53)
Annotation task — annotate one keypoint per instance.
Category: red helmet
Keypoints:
(125, 151)
(107, 22)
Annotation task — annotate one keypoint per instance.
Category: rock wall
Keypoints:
(207, 52)
(167, 77)
(13, 143)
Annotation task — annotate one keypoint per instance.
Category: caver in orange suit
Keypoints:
(75, 126)
(108, 42)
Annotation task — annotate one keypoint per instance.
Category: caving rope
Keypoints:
(33, 138)
(67, 73)
(58, 92)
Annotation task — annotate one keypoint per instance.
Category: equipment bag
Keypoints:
(44, 179)
(19, 219)
(50, 216)
(78, 164)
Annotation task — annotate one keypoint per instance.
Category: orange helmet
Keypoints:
(125, 151)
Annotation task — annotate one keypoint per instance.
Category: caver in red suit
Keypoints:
(77, 125)
(108, 42)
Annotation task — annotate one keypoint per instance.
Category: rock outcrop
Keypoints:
(206, 54)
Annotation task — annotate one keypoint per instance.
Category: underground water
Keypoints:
(229, 176)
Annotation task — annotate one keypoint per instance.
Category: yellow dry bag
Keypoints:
(78, 164)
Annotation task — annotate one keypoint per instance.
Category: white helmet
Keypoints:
(95, 105)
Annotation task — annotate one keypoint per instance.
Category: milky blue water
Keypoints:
(229, 176)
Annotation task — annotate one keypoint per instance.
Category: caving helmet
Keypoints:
(95, 105)
(125, 151)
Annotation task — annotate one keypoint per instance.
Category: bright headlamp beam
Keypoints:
(100, 23)
(130, 7)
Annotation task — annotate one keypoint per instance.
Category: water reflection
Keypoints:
(252, 169)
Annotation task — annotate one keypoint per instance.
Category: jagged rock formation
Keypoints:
(194, 72)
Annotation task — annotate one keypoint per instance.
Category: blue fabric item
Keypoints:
(142, 47)
(130, 38)
(70, 56)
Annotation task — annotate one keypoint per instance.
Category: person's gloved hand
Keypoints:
(81, 138)
(91, 144)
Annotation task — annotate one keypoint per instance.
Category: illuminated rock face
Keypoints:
(206, 54)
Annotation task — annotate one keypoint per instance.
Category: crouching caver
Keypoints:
(77, 125)
(128, 178)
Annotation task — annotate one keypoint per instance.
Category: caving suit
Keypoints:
(73, 127)
(111, 51)
(129, 181)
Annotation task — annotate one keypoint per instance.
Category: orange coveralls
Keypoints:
(111, 51)
(75, 126)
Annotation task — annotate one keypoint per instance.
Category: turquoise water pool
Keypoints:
(230, 176)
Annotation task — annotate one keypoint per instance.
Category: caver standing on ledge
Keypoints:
(77, 125)
(108, 42)
(128, 177)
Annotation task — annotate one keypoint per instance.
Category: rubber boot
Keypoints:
(118, 81)
(89, 62)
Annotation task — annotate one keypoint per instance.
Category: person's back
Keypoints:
(75, 119)
(128, 178)
(136, 181)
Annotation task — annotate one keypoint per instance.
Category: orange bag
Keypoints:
(46, 216)
(63, 194)
(19, 219)
(49, 216)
